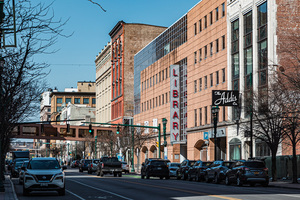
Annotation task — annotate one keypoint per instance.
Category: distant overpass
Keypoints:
(58, 132)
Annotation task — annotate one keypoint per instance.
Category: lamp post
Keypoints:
(164, 121)
(75, 150)
(215, 112)
(96, 147)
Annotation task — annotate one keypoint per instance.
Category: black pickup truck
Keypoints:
(109, 165)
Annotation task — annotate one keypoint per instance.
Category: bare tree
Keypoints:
(21, 77)
(266, 110)
(97, 4)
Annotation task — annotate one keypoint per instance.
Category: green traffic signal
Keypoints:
(118, 130)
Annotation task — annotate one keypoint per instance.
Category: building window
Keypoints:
(235, 149)
(205, 22)
(205, 52)
(195, 117)
(162, 99)
(163, 75)
(77, 101)
(195, 57)
(153, 80)
(86, 100)
(235, 61)
(223, 9)
(93, 100)
(142, 107)
(58, 108)
(166, 73)
(200, 84)
(211, 49)
(156, 101)
(150, 103)
(205, 82)
(223, 42)
(211, 17)
(223, 75)
(217, 45)
(59, 100)
(150, 81)
(205, 115)
(68, 100)
(200, 55)
(195, 28)
(224, 114)
(166, 97)
(200, 25)
(195, 86)
(159, 100)
(211, 80)
(159, 78)
(200, 116)
(156, 78)
(217, 14)
(217, 77)
(248, 54)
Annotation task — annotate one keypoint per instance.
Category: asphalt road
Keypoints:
(86, 187)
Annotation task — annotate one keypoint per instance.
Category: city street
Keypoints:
(84, 186)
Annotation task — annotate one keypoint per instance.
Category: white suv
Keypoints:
(44, 174)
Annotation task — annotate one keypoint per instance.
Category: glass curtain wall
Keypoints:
(166, 42)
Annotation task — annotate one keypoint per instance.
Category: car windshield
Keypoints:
(96, 161)
(192, 163)
(88, 161)
(18, 164)
(255, 164)
(113, 159)
(227, 164)
(175, 165)
(43, 164)
(206, 164)
(158, 163)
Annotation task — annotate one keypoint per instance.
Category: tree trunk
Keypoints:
(294, 164)
(274, 168)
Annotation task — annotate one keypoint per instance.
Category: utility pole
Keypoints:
(96, 147)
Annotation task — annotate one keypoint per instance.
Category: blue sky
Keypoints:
(90, 27)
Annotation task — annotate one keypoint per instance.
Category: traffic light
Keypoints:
(118, 129)
(90, 129)
(157, 144)
(68, 128)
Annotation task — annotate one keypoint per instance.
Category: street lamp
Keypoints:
(215, 112)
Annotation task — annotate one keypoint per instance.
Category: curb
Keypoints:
(13, 189)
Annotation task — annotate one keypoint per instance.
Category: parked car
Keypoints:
(250, 171)
(125, 167)
(75, 163)
(44, 174)
(109, 165)
(217, 171)
(22, 171)
(197, 171)
(182, 172)
(173, 167)
(92, 167)
(83, 165)
(15, 169)
(155, 168)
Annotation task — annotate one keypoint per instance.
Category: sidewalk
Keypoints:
(285, 184)
(9, 193)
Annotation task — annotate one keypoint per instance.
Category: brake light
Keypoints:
(91, 165)
(246, 169)
(102, 165)
(266, 169)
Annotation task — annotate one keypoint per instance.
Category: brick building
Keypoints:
(126, 40)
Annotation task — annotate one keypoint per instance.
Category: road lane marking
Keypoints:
(102, 190)
(75, 195)
(186, 191)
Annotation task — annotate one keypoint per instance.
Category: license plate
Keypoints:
(256, 172)
(44, 184)
(159, 168)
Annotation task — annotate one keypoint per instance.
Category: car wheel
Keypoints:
(178, 177)
(161, 177)
(89, 172)
(184, 176)
(120, 174)
(25, 191)
(147, 176)
(20, 183)
(197, 178)
(61, 192)
(216, 179)
(189, 177)
(101, 173)
(115, 174)
(239, 182)
(227, 182)
(265, 184)
(142, 176)
(167, 177)
(98, 173)
(252, 184)
(207, 180)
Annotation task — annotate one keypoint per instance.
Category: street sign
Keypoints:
(225, 98)
(205, 135)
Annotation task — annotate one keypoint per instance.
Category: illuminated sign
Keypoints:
(174, 103)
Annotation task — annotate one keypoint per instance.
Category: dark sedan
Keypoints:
(217, 171)
(184, 168)
(251, 171)
(198, 170)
